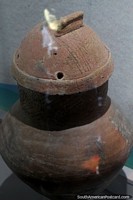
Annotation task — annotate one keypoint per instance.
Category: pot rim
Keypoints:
(61, 86)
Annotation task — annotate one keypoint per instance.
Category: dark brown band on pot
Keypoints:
(59, 112)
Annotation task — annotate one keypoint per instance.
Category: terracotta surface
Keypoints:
(78, 160)
(82, 59)
(64, 137)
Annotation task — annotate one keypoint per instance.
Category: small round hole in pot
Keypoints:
(59, 75)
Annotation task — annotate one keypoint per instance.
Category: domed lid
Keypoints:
(69, 60)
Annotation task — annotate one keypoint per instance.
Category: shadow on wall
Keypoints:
(15, 189)
(119, 185)
(8, 96)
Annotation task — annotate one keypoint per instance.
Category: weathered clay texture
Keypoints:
(81, 62)
(64, 137)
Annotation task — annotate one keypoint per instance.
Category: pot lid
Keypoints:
(74, 60)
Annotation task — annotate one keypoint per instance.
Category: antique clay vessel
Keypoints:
(64, 137)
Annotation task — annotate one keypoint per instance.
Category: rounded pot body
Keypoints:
(65, 163)
(64, 137)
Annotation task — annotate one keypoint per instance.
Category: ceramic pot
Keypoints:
(65, 137)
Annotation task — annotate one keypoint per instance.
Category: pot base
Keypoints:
(80, 160)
